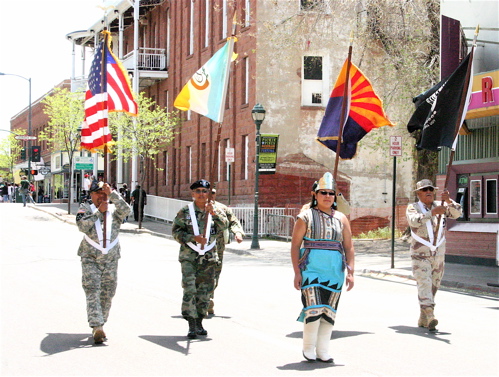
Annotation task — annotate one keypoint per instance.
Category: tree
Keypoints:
(10, 152)
(66, 112)
(145, 135)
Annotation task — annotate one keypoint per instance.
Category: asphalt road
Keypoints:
(254, 332)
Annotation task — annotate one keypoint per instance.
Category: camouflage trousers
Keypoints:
(99, 282)
(198, 282)
(428, 272)
(218, 271)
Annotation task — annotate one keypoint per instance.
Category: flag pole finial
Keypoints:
(351, 37)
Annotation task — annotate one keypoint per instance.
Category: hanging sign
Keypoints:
(268, 153)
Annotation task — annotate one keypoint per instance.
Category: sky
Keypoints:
(33, 44)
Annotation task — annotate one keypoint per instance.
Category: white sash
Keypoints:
(100, 235)
(429, 227)
(195, 228)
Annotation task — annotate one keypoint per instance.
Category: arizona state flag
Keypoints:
(364, 112)
(437, 109)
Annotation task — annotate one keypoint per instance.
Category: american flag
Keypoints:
(108, 90)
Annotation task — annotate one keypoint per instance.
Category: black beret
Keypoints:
(201, 183)
(96, 186)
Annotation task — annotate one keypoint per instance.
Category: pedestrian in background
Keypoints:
(41, 193)
(4, 191)
(428, 253)
(138, 210)
(100, 263)
(322, 253)
(235, 228)
(24, 190)
(12, 192)
(199, 228)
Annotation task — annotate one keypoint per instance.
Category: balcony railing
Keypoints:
(151, 59)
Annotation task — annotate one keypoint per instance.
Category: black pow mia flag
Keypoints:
(437, 110)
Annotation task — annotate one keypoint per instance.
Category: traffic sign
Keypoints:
(395, 146)
(229, 154)
(24, 137)
(84, 163)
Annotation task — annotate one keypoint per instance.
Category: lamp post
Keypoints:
(29, 119)
(258, 115)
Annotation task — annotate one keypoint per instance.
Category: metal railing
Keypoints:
(276, 222)
(153, 59)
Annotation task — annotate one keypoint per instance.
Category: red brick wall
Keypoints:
(471, 244)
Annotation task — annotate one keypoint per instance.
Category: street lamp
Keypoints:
(29, 119)
(258, 114)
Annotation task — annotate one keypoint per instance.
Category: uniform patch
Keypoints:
(80, 214)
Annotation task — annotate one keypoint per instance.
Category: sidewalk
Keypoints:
(373, 257)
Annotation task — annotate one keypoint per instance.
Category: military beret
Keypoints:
(201, 183)
(96, 186)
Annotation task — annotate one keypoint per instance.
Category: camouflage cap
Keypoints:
(96, 186)
(424, 183)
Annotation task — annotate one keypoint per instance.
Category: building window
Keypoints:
(191, 28)
(312, 83)
(207, 23)
(188, 164)
(483, 196)
(491, 194)
(247, 13)
(312, 5)
(245, 79)
(475, 197)
(165, 167)
(168, 38)
(166, 100)
(223, 21)
(245, 157)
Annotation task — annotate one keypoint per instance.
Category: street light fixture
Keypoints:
(258, 114)
(29, 119)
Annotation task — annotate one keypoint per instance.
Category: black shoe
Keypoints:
(192, 334)
(199, 327)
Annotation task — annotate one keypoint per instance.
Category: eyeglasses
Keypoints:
(327, 193)
(424, 189)
(201, 191)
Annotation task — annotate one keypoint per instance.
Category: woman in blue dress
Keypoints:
(322, 254)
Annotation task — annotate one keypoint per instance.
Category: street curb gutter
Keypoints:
(475, 289)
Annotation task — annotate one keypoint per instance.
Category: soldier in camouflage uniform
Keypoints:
(235, 228)
(199, 228)
(428, 255)
(99, 263)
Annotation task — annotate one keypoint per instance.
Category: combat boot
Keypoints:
(422, 321)
(199, 327)
(98, 334)
(192, 328)
(432, 322)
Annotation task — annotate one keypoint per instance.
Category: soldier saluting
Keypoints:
(99, 251)
(199, 228)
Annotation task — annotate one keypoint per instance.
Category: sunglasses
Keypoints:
(327, 193)
(424, 189)
(201, 191)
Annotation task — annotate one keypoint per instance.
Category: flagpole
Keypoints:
(103, 90)
(343, 109)
(222, 103)
(459, 122)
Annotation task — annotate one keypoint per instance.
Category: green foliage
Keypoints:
(152, 130)
(65, 110)
(380, 233)
(10, 151)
